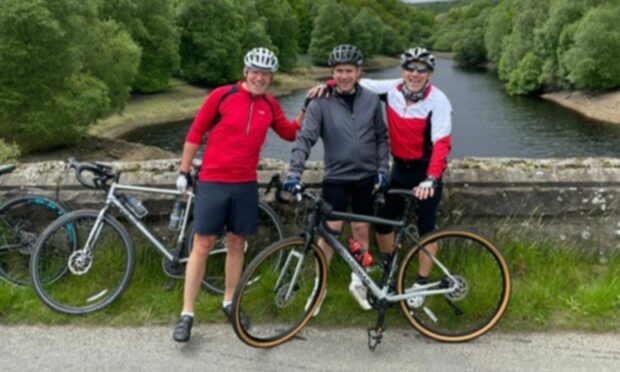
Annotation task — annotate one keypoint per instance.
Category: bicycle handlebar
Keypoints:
(102, 173)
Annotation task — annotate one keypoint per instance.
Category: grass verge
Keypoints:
(555, 287)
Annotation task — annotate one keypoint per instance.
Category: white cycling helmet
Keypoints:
(418, 54)
(261, 59)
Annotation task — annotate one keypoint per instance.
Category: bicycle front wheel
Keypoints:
(270, 229)
(22, 219)
(95, 273)
(279, 296)
(474, 279)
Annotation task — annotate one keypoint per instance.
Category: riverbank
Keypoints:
(603, 107)
(182, 100)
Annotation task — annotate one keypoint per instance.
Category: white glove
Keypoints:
(184, 181)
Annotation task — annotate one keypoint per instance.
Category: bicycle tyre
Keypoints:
(90, 283)
(22, 219)
(484, 287)
(270, 229)
(263, 286)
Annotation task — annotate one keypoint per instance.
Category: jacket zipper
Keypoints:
(247, 126)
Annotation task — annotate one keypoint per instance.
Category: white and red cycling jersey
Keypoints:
(419, 131)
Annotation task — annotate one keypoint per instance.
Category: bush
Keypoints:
(210, 41)
(592, 62)
(8, 151)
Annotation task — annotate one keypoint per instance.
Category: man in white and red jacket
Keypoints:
(237, 118)
(419, 117)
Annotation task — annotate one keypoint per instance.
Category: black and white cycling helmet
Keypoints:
(261, 59)
(418, 54)
(345, 54)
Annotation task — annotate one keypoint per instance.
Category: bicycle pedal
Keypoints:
(169, 284)
(375, 335)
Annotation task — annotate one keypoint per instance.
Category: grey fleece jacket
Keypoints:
(356, 143)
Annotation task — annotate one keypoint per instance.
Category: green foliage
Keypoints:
(592, 62)
(327, 33)
(283, 30)
(211, 39)
(302, 13)
(254, 26)
(499, 25)
(524, 79)
(54, 81)
(391, 42)
(8, 151)
(366, 32)
(151, 25)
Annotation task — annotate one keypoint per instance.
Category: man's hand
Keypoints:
(184, 182)
(321, 90)
(426, 188)
(381, 182)
(292, 184)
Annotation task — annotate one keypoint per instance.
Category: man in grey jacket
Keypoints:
(355, 140)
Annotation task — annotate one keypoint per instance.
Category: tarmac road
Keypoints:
(216, 348)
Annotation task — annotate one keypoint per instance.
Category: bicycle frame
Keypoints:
(113, 200)
(317, 222)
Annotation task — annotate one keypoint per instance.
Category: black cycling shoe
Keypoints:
(245, 322)
(183, 329)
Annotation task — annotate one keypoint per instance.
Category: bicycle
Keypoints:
(22, 219)
(101, 265)
(468, 290)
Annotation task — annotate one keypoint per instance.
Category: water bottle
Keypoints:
(135, 206)
(176, 217)
(360, 253)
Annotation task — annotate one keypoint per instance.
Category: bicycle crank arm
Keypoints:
(375, 335)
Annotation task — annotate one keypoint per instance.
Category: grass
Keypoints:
(555, 287)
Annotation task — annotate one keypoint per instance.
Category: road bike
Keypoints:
(100, 264)
(467, 292)
(22, 219)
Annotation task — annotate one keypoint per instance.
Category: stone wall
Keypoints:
(567, 198)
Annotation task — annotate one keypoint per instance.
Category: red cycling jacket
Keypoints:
(237, 127)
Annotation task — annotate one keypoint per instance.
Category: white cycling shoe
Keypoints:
(415, 302)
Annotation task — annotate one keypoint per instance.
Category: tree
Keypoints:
(327, 33)
(361, 33)
(210, 41)
(54, 81)
(254, 26)
(283, 30)
(302, 13)
(499, 26)
(524, 79)
(391, 43)
(592, 62)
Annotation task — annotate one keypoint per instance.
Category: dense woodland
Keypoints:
(64, 64)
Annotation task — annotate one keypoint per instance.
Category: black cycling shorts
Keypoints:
(406, 176)
(357, 194)
(225, 207)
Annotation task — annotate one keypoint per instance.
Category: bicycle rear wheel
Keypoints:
(22, 219)
(92, 277)
(481, 279)
(270, 229)
(279, 297)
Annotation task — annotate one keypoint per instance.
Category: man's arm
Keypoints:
(306, 138)
(441, 136)
(381, 135)
(379, 86)
(281, 125)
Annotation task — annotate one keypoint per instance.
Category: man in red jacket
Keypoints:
(237, 118)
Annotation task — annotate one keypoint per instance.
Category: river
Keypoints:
(486, 122)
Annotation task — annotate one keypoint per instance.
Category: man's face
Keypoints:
(258, 81)
(415, 75)
(346, 76)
